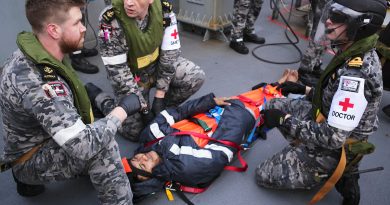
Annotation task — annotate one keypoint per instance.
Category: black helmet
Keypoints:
(144, 189)
(384, 35)
(363, 17)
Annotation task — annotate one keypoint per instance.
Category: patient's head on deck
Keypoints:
(145, 162)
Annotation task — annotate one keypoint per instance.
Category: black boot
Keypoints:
(239, 47)
(348, 187)
(81, 64)
(89, 52)
(253, 38)
(28, 190)
(386, 110)
(93, 91)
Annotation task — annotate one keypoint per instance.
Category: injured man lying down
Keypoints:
(187, 147)
(179, 158)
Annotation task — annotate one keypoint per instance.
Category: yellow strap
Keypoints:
(329, 184)
(148, 59)
(169, 195)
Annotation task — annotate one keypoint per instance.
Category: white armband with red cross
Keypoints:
(348, 104)
(171, 39)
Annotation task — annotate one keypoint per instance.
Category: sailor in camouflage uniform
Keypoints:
(49, 130)
(140, 49)
(245, 13)
(310, 68)
(344, 105)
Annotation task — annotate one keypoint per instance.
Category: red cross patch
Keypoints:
(174, 34)
(346, 104)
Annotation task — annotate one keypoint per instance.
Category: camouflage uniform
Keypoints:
(318, 152)
(69, 148)
(244, 17)
(310, 67)
(179, 77)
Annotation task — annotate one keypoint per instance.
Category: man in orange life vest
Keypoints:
(180, 158)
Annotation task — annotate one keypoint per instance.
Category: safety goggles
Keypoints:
(337, 17)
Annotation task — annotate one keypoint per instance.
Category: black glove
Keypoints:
(291, 87)
(260, 85)
(158, 105)
(130, 103)
(273, 118)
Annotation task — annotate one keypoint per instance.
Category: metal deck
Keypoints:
(228, 73)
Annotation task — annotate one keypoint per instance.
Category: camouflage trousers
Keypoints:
(105, 170)
(187, 80)
(310, 67)
(297, 166)
(245, 13)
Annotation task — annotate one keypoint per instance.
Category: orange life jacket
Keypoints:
(205, 126)
(253, 101)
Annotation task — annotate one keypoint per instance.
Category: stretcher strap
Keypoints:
(249, 101)
(193, 190)
(150, 143)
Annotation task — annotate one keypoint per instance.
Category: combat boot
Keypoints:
(348, 187)
(89, 52)
(28, 190)
(253, 38)
(81, 64)
(239, 46)
(386, 110)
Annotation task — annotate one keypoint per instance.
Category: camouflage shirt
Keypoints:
(119, 72)
(326, 136)
(32, 115)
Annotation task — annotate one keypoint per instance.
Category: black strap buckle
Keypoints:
(176, 187)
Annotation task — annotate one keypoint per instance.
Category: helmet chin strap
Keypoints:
(338, 42)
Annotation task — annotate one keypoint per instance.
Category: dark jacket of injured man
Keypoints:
(180, 158)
